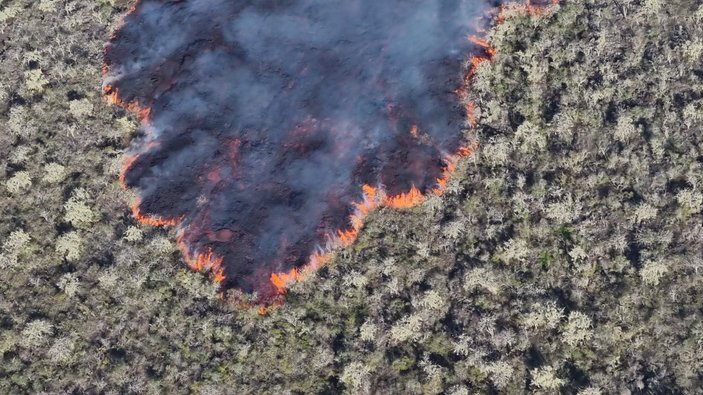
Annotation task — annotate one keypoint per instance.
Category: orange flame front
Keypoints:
(204, 262)
(507, 10)
(376, 198)
(373, 197)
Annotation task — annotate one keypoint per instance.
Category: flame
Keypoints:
(406, 200)
(199, 262)
(281, 280)
(151, 221)
(127, 164)
(202, 262)
(471, 113)
(510, 9)
(373, 197)
(483, 43)
(112, 96)
(414, 132)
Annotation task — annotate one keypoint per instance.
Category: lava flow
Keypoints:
(270, 129)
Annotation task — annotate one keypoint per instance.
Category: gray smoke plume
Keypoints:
(267, 116)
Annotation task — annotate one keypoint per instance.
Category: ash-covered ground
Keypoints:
(267, 117)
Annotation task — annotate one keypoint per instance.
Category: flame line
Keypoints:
(373, 197)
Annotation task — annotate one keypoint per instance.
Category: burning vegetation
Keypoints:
(269, 131)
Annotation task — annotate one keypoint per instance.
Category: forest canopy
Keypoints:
(564, 257)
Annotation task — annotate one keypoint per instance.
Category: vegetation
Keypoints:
(565, 256)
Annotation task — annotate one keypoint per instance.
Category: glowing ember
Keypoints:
(272, 129)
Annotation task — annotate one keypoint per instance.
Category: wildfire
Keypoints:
(112, 97)
(375, 197)
(414, 132)
(205, 262)
(471, 113)
(452, 162)
(127, 164)
(530, 7)
(483, 43)
(199, 262)
(372, 197)
(151, 221)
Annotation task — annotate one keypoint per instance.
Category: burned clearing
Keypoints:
(264, 122)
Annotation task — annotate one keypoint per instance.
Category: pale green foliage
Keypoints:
(565, 211)
(544, 316)
(368, 331)
(61, 351)
(462, 346)
(162, 245)
(47, 5)
(500, 373)
(652, 272)
(16, 241)
(109, 279)
(644, 212)
(653, 7)
(432, 370)
(77, 211)
(356, 280)
(432, 300)
(8, 260)
(577, 329)
(578, 254)
(35, 333)
(692, 115)
(125, 125)
(496, 152)
(482, 278)
(529, 138)
(515, 250)
(69, 284)
(20, 154)
(459, 390)
(35, 80)
(69, 246)
(356, 377)
(9, 12)
(590, 391)
(691, 201)
(133, 234)
(625, 129)
(545, 378)
(12, 247)
(454, 229)
(407, 329)
(197, 287)
(17, 119)
(54, 173)
(80, 108)
(693, 49)
(19, 182)
(31, 56)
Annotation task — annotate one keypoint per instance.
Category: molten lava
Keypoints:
(270, 130)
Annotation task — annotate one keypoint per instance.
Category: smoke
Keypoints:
(266, 117)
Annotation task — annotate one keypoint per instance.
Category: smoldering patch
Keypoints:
(268, 122)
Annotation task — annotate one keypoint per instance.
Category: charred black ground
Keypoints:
(267, 117)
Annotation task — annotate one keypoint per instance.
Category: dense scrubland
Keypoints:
(565, 256)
